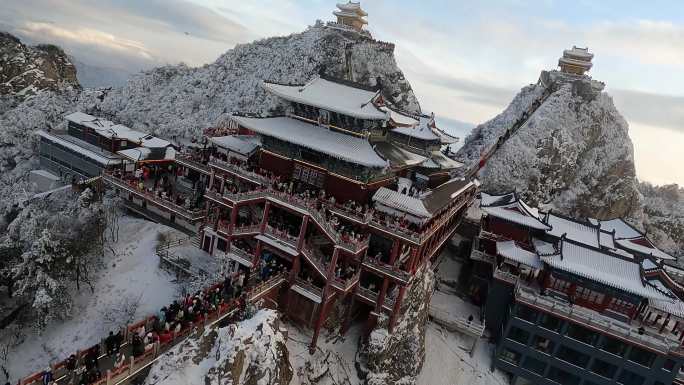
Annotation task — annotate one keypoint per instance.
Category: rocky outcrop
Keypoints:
(397, 357)
(573, 154)
(664, 216)
(25, 70)
(251, 352)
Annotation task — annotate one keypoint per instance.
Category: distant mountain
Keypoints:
(91, 76)
(26, 70)
(572, 155)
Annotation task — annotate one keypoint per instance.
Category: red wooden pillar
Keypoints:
(397, 308)
(264, 220)
(296, 262)
(381, 295)
(324, 302)
(211, 180)
(667, 321)
(257, 255)
(394, 252)
(231, 225)
(302, 233)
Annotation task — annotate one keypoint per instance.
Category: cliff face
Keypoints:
(664, 216)
(251, 352)
(573, 154)
(397, 358)
(25, 70)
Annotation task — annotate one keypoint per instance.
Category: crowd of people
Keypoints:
(162, 186)
(85, 368)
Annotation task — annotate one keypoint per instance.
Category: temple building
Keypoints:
(576, 61)
(90, 145)
(351, 14)
(342, 192)
(575, 302)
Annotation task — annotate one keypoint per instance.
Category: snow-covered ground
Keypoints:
(130, 286)
(447, 361)
(333, 362)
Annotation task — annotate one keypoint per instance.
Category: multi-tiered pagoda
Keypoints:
(576, 61)
(351, 14)
(345, 194)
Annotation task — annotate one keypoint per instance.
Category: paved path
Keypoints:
(134, 366)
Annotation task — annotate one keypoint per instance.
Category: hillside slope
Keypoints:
(574, 156)
(26, 70)
(179, 101)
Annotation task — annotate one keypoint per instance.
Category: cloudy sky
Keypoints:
(465, 59)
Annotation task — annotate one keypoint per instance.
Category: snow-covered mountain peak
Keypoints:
(573, 154)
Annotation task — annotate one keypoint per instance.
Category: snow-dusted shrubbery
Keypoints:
(47, 249)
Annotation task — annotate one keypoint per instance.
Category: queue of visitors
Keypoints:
(85, 368)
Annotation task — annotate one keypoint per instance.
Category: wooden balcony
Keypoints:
(345, 285)
(370, 297)
(314, 260)
(281, 235)
(308, 290)
(644, 335)
(188, 161)
(239, 172)
(383, 269)
(246, 230)
(505, 276)
(240, 256)
(188, 214)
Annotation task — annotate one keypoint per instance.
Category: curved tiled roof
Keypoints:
(346, 147)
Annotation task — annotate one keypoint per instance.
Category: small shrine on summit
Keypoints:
(352, 15)
(576, 60)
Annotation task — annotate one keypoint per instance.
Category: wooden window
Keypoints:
(559, 284)
(620, 306)
(588, 295)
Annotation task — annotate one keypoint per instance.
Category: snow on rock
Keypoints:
(397, 357)
(25, 70)
(664, 219)
(251, 352)
(573, 155)
(179, 100)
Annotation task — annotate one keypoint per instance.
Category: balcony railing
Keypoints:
(351, 245)
(309, 288)
(384, 268)
(282, 235)
(250, 229)
(645, 336)
(240, 256)
(191, 162)
(238, 171)
(314, 259)
(346, 284)
(505, 276)
(372, 296)
(191, 215)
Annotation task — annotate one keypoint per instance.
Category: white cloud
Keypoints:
(85, 36)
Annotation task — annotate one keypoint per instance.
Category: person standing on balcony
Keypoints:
(47, 376)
